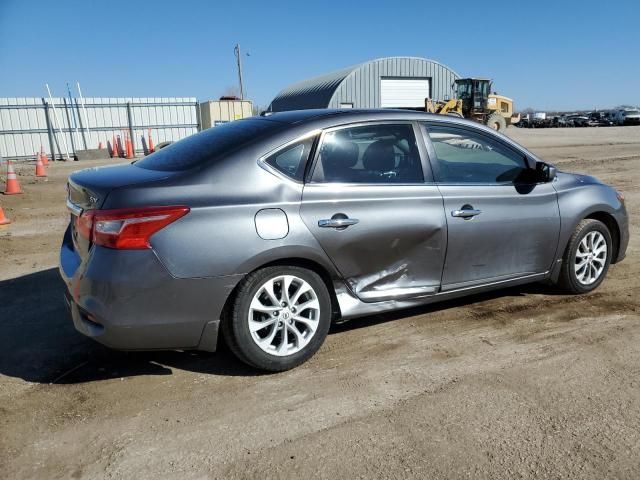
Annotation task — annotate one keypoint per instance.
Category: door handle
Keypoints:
(340, 223)
(465, 213)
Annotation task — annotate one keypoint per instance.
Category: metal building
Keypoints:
(393, 82)
(217, 112)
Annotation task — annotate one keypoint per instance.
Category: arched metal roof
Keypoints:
(360, 84)
(312, 93)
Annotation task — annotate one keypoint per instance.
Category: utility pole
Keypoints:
(236, 50)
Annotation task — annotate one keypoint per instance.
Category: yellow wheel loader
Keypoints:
(475, 101)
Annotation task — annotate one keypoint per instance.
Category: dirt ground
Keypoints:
(519, 383)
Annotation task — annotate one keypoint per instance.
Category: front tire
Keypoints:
(279, 318)
(497, 122)
(587, 257)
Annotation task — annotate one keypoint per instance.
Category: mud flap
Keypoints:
(555, 272)
(209, 338)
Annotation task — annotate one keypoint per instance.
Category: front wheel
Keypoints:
(497, 122)
(587, 257)
(279, 319)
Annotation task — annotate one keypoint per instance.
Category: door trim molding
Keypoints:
(461, 287)
(398, 293)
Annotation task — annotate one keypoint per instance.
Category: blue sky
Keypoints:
(544, 54)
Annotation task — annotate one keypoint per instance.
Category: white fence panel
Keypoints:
(24, 129)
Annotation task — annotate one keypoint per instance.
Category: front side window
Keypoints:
(464, 156)
(291, 160)
(382, 153)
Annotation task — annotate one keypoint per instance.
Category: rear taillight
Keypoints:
(127, 228)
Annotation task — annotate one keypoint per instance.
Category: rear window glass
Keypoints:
(208, 145)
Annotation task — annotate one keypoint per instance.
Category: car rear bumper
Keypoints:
(126, 299)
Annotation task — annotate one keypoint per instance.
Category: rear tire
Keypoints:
(587, 257)
(275, 328)
(497, 122)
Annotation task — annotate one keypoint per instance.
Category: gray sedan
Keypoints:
(269, 229)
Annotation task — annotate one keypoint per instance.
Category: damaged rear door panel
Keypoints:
(397, 248)
(370, 209)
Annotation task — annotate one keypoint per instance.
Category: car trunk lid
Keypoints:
(88, 190)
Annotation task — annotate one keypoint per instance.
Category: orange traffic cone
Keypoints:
(151, 149)
(99, 145)
(12, 187)
(40, 170)
(3, 220)
(120, 148)
(129, 146)
(43, 156)
(114, 148)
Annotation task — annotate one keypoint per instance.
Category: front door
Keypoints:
(370, 209)
(499, 227)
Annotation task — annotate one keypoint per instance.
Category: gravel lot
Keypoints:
(519, 383)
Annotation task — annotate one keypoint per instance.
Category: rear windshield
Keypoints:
(208, 145)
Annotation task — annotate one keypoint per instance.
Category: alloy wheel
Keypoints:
(591, 258)
(284, 315)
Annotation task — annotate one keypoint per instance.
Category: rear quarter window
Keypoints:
(291, 160)
(209, 145)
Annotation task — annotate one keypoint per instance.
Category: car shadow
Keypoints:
(39, 344)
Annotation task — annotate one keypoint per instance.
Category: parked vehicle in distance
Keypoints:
(579, 120)
(627, 116)
(269, 229)
(540, 120)
(599, 119)
(535, 120)
(610, 116)
(562, 121)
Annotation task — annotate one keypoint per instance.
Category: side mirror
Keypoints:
(546, 172)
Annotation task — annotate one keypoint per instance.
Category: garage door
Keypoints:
(403, 92)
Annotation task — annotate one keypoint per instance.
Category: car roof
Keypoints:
(303, 116)
(323, 118)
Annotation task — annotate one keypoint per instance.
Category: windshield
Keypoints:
(632, 112)
(464, 89)
(208, 145)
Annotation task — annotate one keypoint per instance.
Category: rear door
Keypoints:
(500, 226)
(374, 209)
